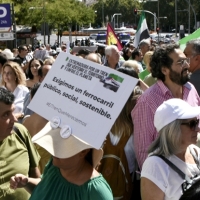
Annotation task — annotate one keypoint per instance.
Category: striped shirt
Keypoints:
(143, 115)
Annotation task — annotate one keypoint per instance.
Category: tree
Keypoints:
(65, 12)
(167, 8)
(58, 13)
(110, 7)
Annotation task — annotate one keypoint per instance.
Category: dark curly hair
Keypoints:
(30, 75)
(6, 96)
(135, 53)
(160, 58)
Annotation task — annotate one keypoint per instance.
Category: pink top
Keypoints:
(143, 115)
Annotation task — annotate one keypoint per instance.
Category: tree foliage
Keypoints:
(64, 12)
(57, 13)
(110, 7)
(166, 8)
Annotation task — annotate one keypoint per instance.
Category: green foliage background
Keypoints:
(61, 13)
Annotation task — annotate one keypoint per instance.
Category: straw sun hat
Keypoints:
(60, 143)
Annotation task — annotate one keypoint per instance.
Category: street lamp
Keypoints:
(159, 20)
(44, 32)
(107, 19)
(154, 14)
(113, 17)
(44, 23)
(175, 18)
(186, 10)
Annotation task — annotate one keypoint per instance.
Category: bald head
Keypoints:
(94, 57)
(43, 71)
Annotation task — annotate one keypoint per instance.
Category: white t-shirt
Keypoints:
(20, 93)
(169, 181)
(140, 67)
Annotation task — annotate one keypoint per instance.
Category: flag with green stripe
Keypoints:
(142, 30)
(183, 41)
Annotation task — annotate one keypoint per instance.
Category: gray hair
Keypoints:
(108, 49)
(144, 42)
(195, 45)
(168, 141)
(132, 64)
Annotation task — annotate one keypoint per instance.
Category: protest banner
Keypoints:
(84, 95)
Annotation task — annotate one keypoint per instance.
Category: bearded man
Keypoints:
(170, 66)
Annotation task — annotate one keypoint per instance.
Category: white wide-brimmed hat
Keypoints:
(60, 143)
(173, 109)
(8, 54)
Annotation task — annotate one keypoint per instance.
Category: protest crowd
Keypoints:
(151, 151)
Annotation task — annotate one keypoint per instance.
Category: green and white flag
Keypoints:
(142, 30)
(183, 41)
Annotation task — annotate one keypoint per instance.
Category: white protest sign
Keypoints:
(86, 96)
(68, 47)
(40, 54)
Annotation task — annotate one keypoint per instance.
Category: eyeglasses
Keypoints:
(193, 124)
(184, 62)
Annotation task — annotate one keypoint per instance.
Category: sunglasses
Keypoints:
(193, 124)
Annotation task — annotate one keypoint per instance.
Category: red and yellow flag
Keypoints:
(111, 37)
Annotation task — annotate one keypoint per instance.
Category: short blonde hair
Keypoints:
(49, 61)
(132, 64)
(147, 58)
(20, 76)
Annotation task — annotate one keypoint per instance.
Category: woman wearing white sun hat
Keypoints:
(70, 174)
(177, 123)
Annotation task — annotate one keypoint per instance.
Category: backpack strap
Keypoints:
(120, 163)
(194, 154)
(175, 168)
(15, 128)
